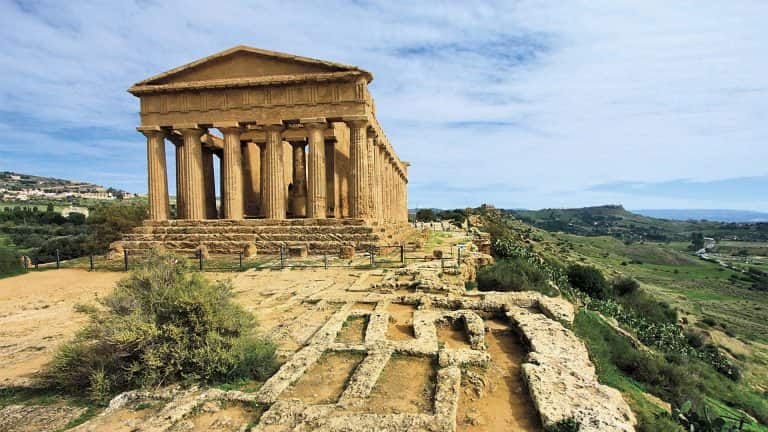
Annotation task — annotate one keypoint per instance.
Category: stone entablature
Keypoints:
(299, 138)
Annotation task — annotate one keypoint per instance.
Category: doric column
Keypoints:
(194, 194)
(232, 173)
(371, 151)
(379, 182)
(209, 183)
(358, 170)
(316, 190)
(262, 178)
(274, 189)
(180, 179)
(391, 189)
(331, 192)
(299, 201)
(401, 197)
(251, 153)
(157, 176)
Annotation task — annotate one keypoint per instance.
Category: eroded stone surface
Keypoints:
(562, 380)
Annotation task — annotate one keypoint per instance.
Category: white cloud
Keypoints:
(546, 97)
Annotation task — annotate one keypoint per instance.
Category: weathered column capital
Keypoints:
(190, 129)
(314, 123)
(152, 131)
(274, 127)
(230, 129)
(230, 125)
(357, 121)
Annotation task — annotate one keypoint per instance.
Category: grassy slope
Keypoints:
(697, 288)
(616, 221)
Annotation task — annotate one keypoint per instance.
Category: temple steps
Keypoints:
(320, 236)
(233, 248)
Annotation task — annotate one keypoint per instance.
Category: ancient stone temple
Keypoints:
(302, 158)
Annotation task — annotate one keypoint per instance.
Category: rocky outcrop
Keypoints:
(562, 380)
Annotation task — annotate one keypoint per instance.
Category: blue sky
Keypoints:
(652, 104)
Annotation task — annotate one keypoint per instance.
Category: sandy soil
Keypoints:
(326, 380)
(36, 315)
(504, 403)
(353, 331)
(400, 321)
(453, 335)
(406, 385)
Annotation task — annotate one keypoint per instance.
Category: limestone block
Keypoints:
(437, 253)
(250, 250)
(202, 250)
(116, 251)
(298, 251)
(347, 252)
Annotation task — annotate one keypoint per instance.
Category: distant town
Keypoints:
(16, 187)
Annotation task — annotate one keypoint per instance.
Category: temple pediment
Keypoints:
(249, 64)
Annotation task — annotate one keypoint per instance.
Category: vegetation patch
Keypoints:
(163, 324)
(514, 274)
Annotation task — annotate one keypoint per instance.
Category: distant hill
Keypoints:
(719, 215)
(615, 221)
(15, 181)
(21, 187)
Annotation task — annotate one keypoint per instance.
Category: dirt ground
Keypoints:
(36, 314)
(496, 399)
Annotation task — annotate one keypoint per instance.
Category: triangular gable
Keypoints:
(242, 62)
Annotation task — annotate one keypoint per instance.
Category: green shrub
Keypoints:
(646, 305)
(162, 324)
(566, 425)
(624, 285)
(657, 423)
(10, 262)
(589, 280)
(514, 274)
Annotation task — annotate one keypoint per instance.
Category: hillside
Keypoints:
(683, 309)
(24, 187)
(615, 221)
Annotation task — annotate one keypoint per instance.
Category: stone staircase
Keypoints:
(320, 236)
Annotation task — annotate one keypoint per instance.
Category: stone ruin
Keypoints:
(560, 378)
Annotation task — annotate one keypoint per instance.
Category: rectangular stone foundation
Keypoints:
(319, 236)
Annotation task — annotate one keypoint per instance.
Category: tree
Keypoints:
(697, 241)
(76, 218)
(589, 280)
(109, 221)
(426, 215)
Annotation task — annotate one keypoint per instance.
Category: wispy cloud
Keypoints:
(526, 104)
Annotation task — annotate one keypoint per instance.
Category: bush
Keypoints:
(10, 262)
(589, 280)
(514, 274)
(645, 305)
(566, 425)
(162, 324)
(623, 285)
(663, 422)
